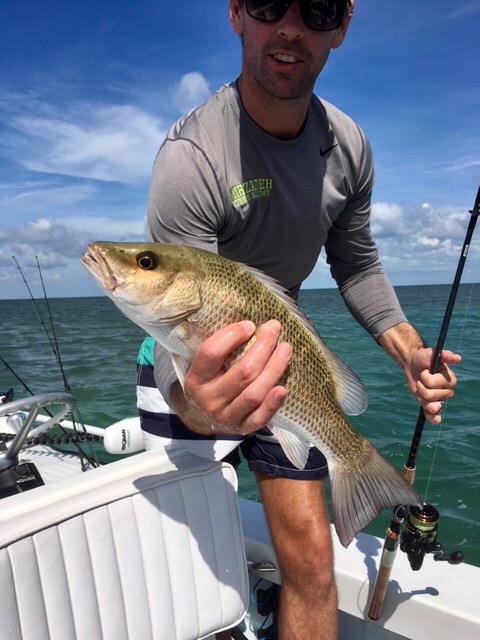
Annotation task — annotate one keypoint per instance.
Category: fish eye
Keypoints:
(147, 261)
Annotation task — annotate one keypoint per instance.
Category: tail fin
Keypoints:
(361, 489)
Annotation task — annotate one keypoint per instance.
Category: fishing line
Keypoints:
(443, 422)
(55, 346)
(25, 386)
(92, 460)
(435, 450)
(35, 305)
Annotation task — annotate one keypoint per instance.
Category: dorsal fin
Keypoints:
(351, 395)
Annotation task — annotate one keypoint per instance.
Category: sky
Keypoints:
(89, 89)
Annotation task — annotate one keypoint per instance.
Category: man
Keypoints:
(267, 174)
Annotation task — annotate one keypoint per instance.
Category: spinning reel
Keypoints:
(419, 536)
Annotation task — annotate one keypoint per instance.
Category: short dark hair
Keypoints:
(349, 6)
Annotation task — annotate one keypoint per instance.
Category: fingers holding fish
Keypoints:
(265, 412)
(244, 371)
(247, 387)
(210, 357)
(256, 405)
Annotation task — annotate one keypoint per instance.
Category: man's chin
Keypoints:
(288, 91)
(286, 87)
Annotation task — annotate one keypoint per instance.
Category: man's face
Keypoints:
(284, 57)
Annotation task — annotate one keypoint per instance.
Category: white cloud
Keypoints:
(463, 165)
(416, 244)
(428, 242)
(420, 240)
(465, 10)
(103, 142)
(107, 228)
(55, 242)
(191, 90)
(39, 196)
(387, 220)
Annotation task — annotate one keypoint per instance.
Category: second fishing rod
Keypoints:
(415, 529)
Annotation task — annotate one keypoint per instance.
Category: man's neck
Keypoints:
(281, 118)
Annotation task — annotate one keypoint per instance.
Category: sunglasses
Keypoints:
(319, 15)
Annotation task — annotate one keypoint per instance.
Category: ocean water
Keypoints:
(99, 347)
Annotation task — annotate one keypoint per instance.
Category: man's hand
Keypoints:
(405, 346)
(431, 390)
(246, 396)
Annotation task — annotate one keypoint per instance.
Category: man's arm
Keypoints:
(355, 265)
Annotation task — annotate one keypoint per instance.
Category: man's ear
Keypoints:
(342, 29)
(235, 17)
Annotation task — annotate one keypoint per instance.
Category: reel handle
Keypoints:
(456, 557)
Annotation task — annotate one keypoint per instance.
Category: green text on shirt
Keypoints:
(243, 193)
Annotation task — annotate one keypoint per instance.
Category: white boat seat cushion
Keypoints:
(147, 548)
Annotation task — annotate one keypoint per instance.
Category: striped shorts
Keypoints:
(161, 427)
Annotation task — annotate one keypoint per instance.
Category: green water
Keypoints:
(99, 347)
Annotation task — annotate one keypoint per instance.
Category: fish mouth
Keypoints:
(96, 264)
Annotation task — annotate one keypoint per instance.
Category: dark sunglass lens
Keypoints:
(323, 15)
(267, 11)
(320, 15)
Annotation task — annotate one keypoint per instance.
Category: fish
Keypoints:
(181, 295)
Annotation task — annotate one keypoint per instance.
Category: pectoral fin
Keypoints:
(296, 449)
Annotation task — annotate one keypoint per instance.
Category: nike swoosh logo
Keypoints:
(325, 151)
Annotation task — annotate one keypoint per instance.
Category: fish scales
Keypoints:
(180, 295)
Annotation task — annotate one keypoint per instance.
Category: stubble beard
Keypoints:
(275, 85)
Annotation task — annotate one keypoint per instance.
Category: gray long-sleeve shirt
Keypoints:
(222, 183)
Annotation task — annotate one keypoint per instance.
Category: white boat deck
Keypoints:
(439, 602)
(52, 465)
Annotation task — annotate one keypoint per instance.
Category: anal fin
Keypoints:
(296, 449)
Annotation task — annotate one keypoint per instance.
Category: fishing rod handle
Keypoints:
(408, 473)
(390, 546)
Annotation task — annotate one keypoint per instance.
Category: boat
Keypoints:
(157, 544)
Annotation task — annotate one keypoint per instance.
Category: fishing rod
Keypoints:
(24, 384)
(54, 345)
(92, 460)
(35, 306)
(415, 528)
(53, 341)
(56, 349)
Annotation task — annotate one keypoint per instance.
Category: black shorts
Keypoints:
(261, 450)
